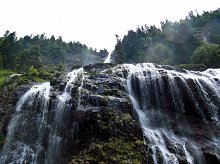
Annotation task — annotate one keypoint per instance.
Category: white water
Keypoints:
(21, 145)
(24, 142)
(55, 136)
(35, 133)
(79, 107)
(159, 138)
(108, 59)
(154, 138)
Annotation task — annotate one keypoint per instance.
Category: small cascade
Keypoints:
(26, 130)
(38, 130)
(163, 97)
(108, 59)
(79, 107)
(60, 114)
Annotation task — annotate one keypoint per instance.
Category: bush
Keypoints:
(208, 54)
(32, 71)
(4, 74)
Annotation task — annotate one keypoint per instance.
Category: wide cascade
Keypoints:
(36, 132)
(178, 110)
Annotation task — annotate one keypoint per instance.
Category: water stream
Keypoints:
(155, 91)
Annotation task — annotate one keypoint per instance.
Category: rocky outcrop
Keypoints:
(103, 117)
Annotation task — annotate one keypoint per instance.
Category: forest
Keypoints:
(38, 51)
(190, 42)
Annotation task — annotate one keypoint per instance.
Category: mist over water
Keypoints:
(108, 59)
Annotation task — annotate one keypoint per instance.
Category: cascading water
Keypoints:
(79, 93)
(108, 59)
(36, 133)
(61, 110)
(172, 105)
(164, 100)
(26, 130)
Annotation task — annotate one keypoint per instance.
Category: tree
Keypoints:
(208, 54)
(28, 57)
(32, 71)
(160, 54)
(119, 54)
(8, 49)
(1, 62)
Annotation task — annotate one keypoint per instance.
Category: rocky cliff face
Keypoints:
(104, 127)
(122, 114)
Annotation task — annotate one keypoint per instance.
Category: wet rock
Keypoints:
(211, 157)
(62, 86)
(53, 95)
(8, 99)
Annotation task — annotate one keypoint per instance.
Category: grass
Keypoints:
(4, 74)
(31, 75)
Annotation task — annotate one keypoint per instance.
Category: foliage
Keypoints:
(4, 74)
(8, 49)
(174, 42)
(207, 54)
(160, 54)
(30, 75)
(115, 150)
(21, 53)
(119, 54)
(28, 57)
(32, 71)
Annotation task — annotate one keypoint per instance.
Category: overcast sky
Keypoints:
(92, 22)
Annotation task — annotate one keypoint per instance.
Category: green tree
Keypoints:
(160, 54)
(1, 61)
(8, 49)
(29, 57)
(118, 52)
(208, 54)
(32, 71)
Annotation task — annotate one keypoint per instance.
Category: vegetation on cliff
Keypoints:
(115, 150)
(193, 40)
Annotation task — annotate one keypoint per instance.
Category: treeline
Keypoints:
(38, 51)
(193, 40)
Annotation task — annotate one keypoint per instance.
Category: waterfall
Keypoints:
(178, 111)
(37, 130)
(79, 107)
(60, 114)
(108, 59)
(156, 91)
(26, 130)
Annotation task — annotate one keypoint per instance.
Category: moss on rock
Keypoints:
(115, 150)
